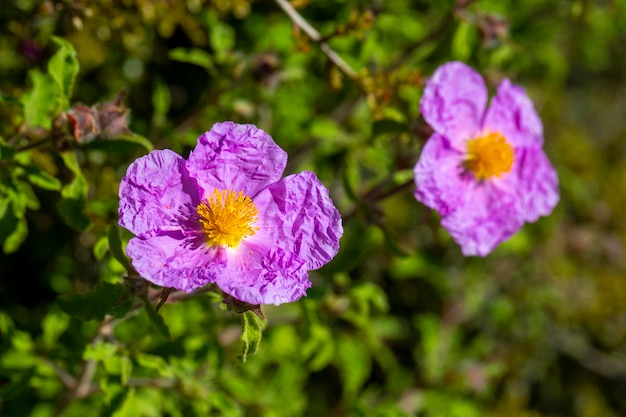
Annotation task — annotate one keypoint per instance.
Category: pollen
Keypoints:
(227, 217)
(489, 155)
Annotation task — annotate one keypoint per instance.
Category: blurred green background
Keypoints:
(399, 323)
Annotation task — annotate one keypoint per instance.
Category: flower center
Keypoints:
(227, 217)
(489, 155)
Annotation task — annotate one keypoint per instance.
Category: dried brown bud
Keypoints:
(106, 120)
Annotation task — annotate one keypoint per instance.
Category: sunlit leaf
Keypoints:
(136, 139)
(63, 68)
(354, 363)
(41, 178)
(17, 237)
(251, 334)
(194, 56)
(39, 101)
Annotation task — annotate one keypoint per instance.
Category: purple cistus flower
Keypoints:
(485, 172)
(225, 216)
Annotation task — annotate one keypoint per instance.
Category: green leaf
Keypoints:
(161, 101)
(41, 178)
(115, 246)
(9, 221)
(53, 325)
(39, 102)
(17, 237)
(156, 320)
(221, 38)
(63, 68)
(72, 206)
(136, 139)
(27, 195)
(154, 362)
(354, 363)
(94, 304)
(251, 334)
(101, 247)
(463, 41)
(193, 56)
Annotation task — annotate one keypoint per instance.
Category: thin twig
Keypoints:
(299, 21)
(32, 145)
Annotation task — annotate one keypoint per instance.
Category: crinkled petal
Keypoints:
(440, 183)
(489, 218)
(512, 113)
(176, 261)
(538, 184)
(454, 102)
(153, 193)
(259, 273)
(236, 157)
(297, 214)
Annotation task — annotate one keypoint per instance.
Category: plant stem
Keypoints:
(299, 21)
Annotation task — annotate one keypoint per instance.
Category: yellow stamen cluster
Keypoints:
(227, 217)
(489, 155)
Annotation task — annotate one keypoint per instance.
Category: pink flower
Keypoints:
(485, 172)
(226, 216)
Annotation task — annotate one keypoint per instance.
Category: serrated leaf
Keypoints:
(156, 320)
(39, 102)
(63, 68)
(94, 304)
(41, 178)
(251, 334)
(115, 246)
(194, 56)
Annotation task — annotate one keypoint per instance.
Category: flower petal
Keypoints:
(439, 179)
(176, 261)
(489, 218)
(512, 113)
(538, 184)
(297, 214)
(236, 157)
(154, 191)
(263, 274)
(454, 102)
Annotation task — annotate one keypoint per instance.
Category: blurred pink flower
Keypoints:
(485, 172)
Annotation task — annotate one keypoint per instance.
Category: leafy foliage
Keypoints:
(399, 323)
